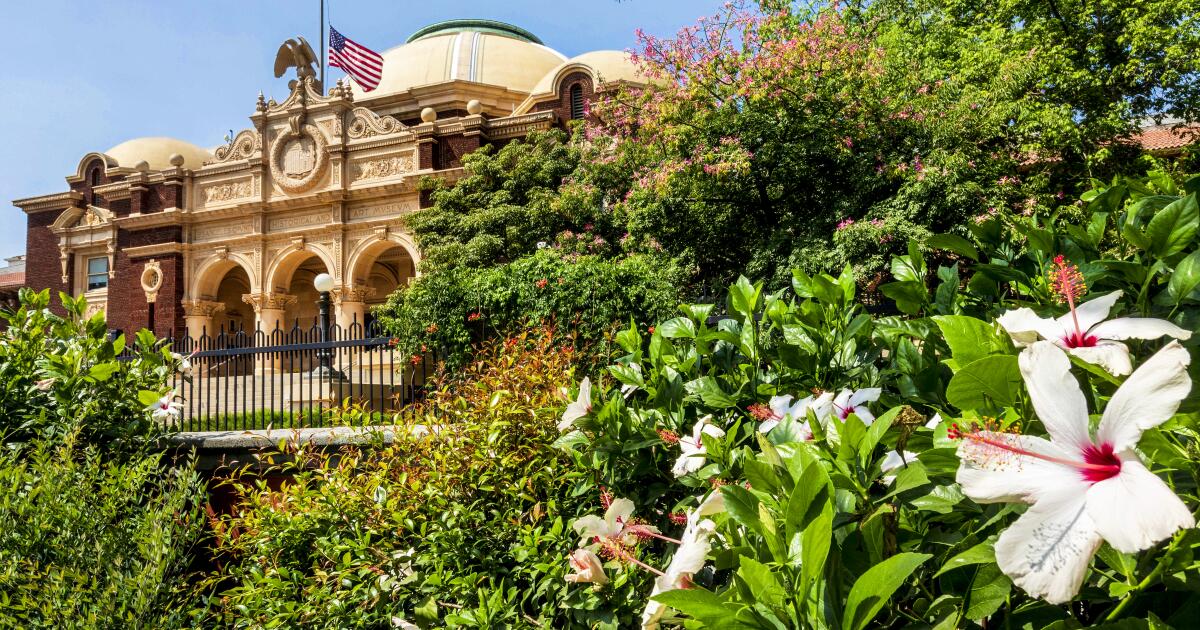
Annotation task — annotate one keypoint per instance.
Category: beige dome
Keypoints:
(157, 153)
(606, 66)
(466, 50)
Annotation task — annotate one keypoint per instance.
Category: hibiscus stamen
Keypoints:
(613, 549)
(762, 413)
(646, 532)
(1098, 462)
(1067, 284)
(606, 498)
(668, 436)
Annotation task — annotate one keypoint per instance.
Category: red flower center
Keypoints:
(1104, 463)
(1079, 339)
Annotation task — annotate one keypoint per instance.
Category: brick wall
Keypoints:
(562, 105)
(127, 307)
(42, 267)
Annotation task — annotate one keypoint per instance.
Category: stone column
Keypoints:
(351, 307)
(199, 317)
(268, 316)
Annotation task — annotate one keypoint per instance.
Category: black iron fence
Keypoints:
(297, 377)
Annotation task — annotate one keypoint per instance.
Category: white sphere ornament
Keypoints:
(176, 160)
(429, 114)
(474, 107)
(323, 283)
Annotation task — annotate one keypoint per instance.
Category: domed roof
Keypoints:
(157, 152)
(607, 65)
(482, 51)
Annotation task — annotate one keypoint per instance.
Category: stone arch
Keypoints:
(212, 271)
(364, 255)
(285, 263)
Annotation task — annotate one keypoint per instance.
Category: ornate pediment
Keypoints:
(89, 217)
(243, 146)
(366, 124)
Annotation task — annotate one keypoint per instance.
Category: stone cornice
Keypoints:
(516, 126)
(44, 203)
(169, 216)
(157, 249)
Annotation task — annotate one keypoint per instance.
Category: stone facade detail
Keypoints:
(383, 167)
(319, 181)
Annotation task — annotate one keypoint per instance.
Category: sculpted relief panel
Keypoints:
(382, 167)
(228, 191)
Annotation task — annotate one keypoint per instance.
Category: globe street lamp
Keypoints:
(324, 370)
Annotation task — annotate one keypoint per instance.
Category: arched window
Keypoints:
(95, 177)
(576, 102)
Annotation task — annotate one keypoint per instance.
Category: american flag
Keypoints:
(363, 65)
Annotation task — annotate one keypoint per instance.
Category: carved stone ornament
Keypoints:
(386, 167)
(228, 191)
(351, 294)
(299, 157)
(202, 308)
(64, 256)
(276, 301)
(241, 147)
(367, 123)
(152, 279)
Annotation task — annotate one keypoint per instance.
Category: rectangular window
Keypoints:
(97, 273)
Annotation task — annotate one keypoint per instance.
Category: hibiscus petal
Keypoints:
(589, 527)
(1055, 394)
(1146, 399)
(1048, 550)
(1135, 510)
(781, 405)
(864, 415)
(1024, 325)
(766, 425)
(869, 394)
(991, 474)
(1091, 312)
(618, 514)
(687, 464)
(1112, 356)
(1138, 328)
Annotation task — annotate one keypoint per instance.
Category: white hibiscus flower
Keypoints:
(578, 409)
(693, 448)
(688, 559)
(1083, 490)
(586, 568)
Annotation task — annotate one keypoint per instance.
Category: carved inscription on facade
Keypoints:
(228, 191)
(382, 210)
(279, 224)
(222, 230)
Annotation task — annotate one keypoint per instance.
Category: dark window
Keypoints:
(576, 102)
(97, 273)
(95, 177)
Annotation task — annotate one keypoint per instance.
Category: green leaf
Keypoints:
(104, 371)
(709, 390)
(677, 327)
(148, 398)
(876, 586)
(1174, 227)
(987, 384)
(979, 554)
(1186, 278)
(989, 591)
(762, 582)
(969, 339)
(910, 297)
(953, 243)
(701, 605)
(744, 296)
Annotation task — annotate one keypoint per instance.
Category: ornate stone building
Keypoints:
(163, 234)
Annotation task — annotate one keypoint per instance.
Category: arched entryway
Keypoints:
(217, 303)
(377, 268)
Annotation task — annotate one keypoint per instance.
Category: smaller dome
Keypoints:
(606, 66)
(157, 152)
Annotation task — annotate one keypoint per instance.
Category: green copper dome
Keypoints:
(484, 26)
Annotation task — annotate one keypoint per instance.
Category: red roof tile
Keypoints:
(1167, 137)
(12, 280)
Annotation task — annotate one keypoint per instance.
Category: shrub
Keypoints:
(89, 541)
(831, 469)
(62, 374)
(460, 522)
(585, 296)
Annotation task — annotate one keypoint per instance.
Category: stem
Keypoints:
(1149, 579)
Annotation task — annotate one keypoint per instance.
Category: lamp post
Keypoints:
(324, 370)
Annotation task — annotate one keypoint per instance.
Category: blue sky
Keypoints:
(84, 76)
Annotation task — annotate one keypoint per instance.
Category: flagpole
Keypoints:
(322, 44)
